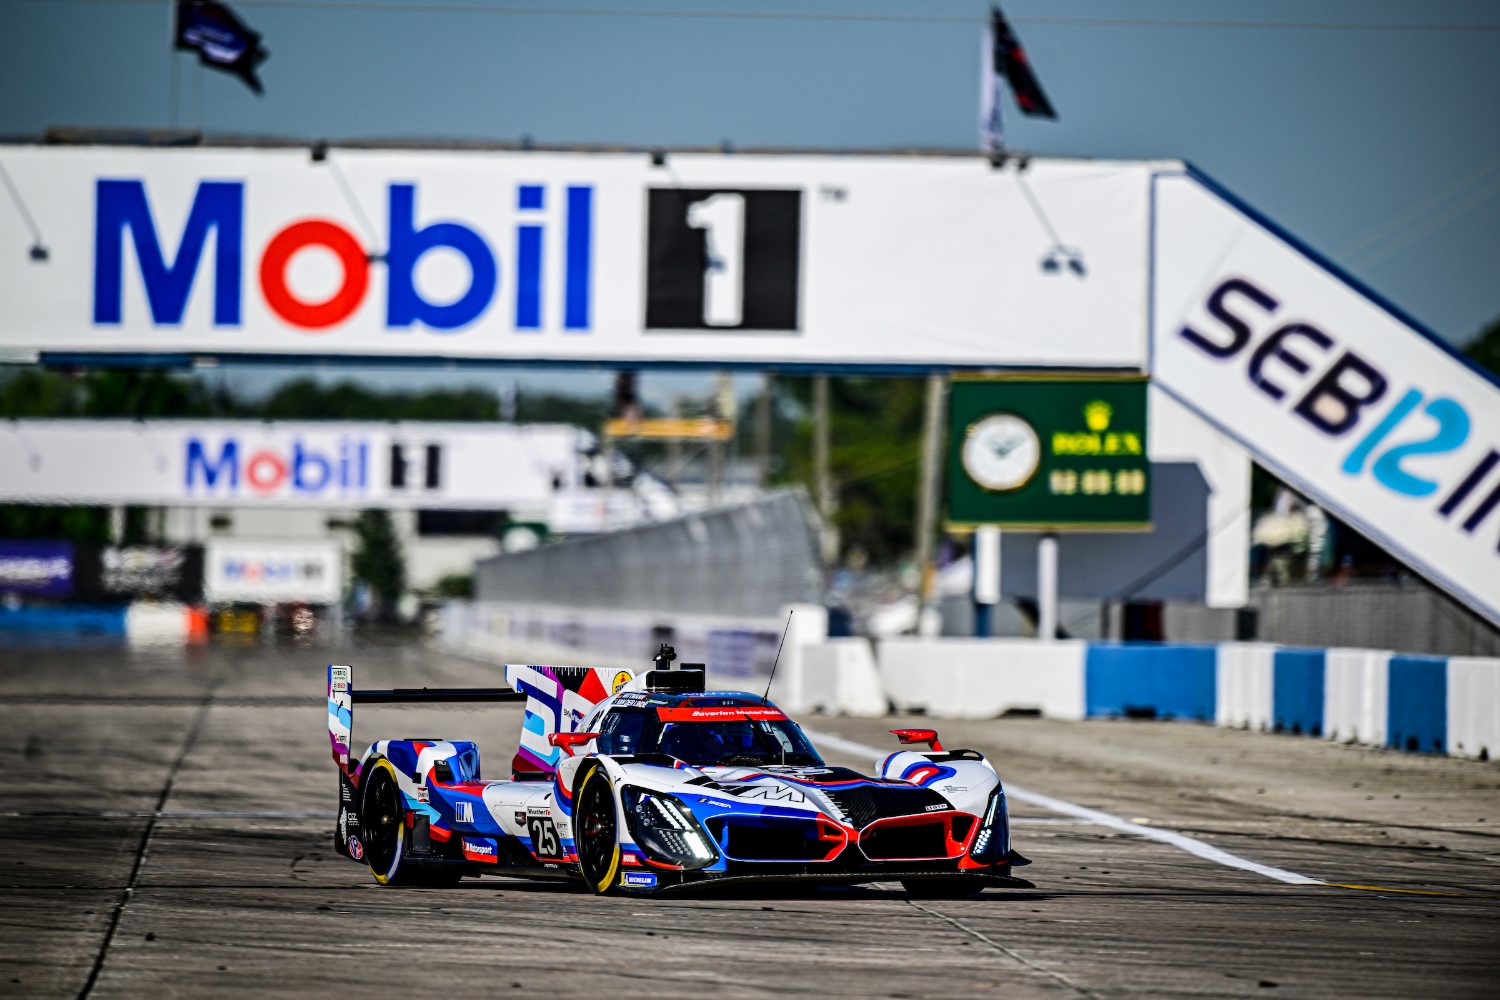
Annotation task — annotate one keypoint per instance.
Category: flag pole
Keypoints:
(172, 62)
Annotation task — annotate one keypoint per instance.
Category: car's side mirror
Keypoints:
(568, 741)
(928, 736)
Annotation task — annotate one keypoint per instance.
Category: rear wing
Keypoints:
(557, 699)
(342, 696)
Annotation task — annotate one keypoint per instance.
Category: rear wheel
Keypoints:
(382, 822)
(382, 831)
(955, 887)
(596, 831)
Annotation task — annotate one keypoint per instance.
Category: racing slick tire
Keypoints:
(596, 831)
(954, 887)
(382, 828)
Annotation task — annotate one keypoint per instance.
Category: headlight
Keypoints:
(993, 842)
(664, 828)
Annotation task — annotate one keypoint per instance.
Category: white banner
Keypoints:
(249, 571)
(248, 463)
(1343, 399)
(849, 260)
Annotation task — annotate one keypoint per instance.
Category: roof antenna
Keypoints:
(764, 699)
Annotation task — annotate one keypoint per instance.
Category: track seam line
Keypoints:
(144, 847)
(1008, 953)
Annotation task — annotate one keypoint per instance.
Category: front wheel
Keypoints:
(596, 831)
(954, 887)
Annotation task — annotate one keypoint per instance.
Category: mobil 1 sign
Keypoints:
(1347, 401)
(868, 261)
(1044, 454)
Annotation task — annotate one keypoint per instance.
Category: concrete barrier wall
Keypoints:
(1355, 695)
(143, 623)
(1426, 704)
(1473, 707)
(1243, 673)
(1136, 680)
(983, 678)
(106, 620)
(839, 677)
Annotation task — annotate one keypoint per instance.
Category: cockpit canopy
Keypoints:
(707, 731)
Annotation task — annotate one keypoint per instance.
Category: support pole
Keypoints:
(986, 578)
(172, 63)
(726, 408)
(1046, 585)
(822, 476)
(763, 431)
(927, 488)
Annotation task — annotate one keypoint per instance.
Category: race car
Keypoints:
(643, 782)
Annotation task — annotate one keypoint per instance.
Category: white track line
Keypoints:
(1180, 841)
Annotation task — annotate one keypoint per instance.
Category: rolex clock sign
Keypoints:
(1045, 454)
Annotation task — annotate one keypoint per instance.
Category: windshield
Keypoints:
(755, 742)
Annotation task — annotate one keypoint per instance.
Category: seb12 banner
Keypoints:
(1339, 395)
(864, 261)
(1042, 454)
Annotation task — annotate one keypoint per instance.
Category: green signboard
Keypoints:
(1046, 454)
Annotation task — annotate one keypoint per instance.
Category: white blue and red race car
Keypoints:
(642, 781)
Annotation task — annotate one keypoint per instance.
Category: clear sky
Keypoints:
(1378, 146)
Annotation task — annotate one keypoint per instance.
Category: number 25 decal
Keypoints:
(544, 842)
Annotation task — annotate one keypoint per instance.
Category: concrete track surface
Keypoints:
(167, 826)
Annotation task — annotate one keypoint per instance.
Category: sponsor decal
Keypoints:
(621, 679)
(141, 570)
(42, 569)
(770, 792)
(937, 807)
(723, 259)
(732, 714)
(463, 812)
(356, 849)
(520, 817)
(544, 840)
(716, 803)
(421, 793)
(123, 218)
(476, 849)
(642, 880)
(1403, 437)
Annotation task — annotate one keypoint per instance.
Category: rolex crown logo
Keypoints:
(1096, 415)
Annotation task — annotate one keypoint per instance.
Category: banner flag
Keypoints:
(221, 39)
(1004, 57)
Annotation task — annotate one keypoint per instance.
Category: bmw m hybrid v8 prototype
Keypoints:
(643, 782)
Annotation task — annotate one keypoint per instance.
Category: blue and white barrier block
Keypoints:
(1426, 704)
